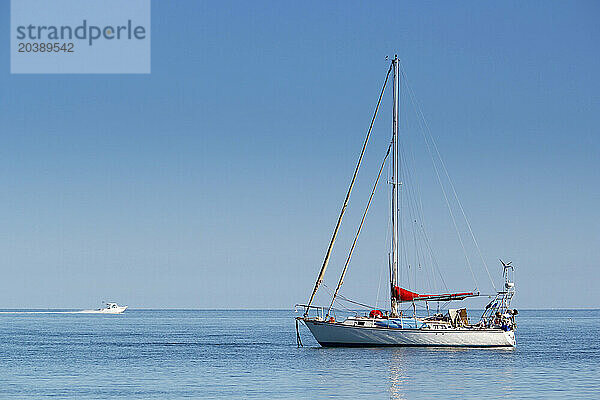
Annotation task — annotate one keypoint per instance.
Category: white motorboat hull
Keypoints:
(337, 334)
(114, 310)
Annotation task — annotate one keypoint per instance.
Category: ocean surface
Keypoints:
(166, 354)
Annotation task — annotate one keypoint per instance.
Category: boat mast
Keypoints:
(339, 221)
(394, 262)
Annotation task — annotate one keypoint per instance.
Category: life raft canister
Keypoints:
(375, 314)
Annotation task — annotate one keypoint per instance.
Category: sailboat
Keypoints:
(396, 327)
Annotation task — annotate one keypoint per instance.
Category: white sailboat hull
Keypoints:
(338, 334)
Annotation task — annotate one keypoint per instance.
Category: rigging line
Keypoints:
(433, 258)
(388, 234)
(379, 283)
(344, 308)
(417, 203)
(413, 103)
(422, 250)
(440, 180)
(406, 203)
(453, 218)
(411, 197)
(449, 180)
(418, 200)
(339, 221)
(413, 211)
(382, 267)
(342, 297)
(378, 288)
(410, 224)
(407, 221)
(362, 221)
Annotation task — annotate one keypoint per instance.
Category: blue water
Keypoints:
(162, 354)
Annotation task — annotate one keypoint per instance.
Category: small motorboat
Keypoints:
(110, 308)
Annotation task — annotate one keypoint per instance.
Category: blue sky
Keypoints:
(215, 181)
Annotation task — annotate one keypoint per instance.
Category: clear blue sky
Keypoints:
(216, 180)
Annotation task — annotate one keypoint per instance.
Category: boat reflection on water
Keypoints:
(397, 377)
(424, 372)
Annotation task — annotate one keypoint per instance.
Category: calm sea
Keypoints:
(145, 354)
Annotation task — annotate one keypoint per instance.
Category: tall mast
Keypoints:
(394, 262)
(339, 221)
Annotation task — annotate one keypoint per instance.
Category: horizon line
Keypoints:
(274, 309)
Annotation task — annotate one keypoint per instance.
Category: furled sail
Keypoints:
(403, 295)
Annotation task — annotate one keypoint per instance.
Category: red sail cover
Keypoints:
(402, 295)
